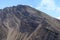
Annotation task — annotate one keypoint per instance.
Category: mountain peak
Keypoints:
(23, 22)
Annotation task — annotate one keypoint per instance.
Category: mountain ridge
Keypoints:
(23, 22)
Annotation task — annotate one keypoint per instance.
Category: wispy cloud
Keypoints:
(48, 5)
(58, 9)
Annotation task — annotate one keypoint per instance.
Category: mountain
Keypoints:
(23, 22)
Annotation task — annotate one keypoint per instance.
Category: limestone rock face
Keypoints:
(23, 22)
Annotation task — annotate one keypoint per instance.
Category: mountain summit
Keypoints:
(23, 22)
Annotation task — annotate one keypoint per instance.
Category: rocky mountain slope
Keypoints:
(23, 22)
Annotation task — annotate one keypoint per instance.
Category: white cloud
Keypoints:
(58, 17)
(48, 5)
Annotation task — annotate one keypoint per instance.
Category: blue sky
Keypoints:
(51, 7)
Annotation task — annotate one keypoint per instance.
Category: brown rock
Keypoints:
(23, 22)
